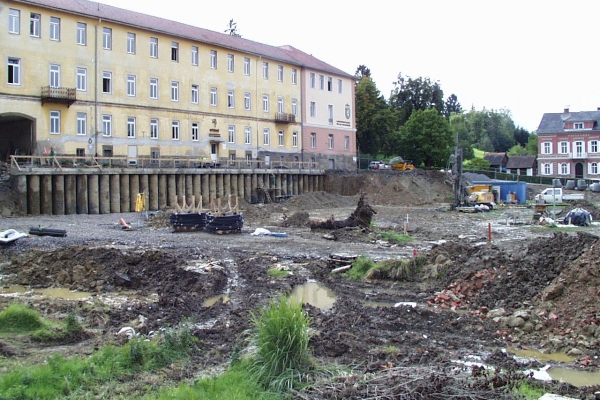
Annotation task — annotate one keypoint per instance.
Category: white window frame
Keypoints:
(312, 80)
(81, 123)
(54, 122)
(321, 82)
(35, 25)
(131, 89)
(340, 86)
(578, 148)
(153, 47)
(175, 132)
(246, 66)
(563, 147)
(195, 94)
(230, 99)
(247, 101)
(295, 139)
(154, 128)
(547, 148)
(195, 133)
(55, 28)
(174, 91)
(547, 168)
(213, 97)
(107, 77)
(295, 107)
(82, 33)
(329, 84)
(106, 38)
(265, 102)
(175, 51)
(154, 88)
(131, 127)
(230, 62)
(294, 76)
(266, 136)
(247, 135)
(313, 140)
(313, 109)
(346, 143)
(280, 105)
(280, 73)
(578, 125)
(194, 55)
(14, 71)
(330, 113)
(564, 168)
(594, 168)
(54, 79)
(593, 146)
(130, 43)
(281, 138)
(330, 141)
(14, 21)
(213, 59)
(265, 70)
(106, 125)
(231, 133)
(81, 81)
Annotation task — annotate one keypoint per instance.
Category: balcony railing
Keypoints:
(58, 95)
(579, 154)
(285, 117)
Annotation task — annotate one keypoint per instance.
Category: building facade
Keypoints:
(569, 144)
(87, 79)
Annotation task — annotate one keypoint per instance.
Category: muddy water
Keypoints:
(575, 377)
(213, 300)
(315, 294)
(537, 355)
(54, 293)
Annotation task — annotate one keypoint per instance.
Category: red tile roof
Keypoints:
(94, 9)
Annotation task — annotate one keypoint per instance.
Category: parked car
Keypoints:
(378, 165)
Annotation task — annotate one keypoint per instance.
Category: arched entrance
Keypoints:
(17, 135)
(579, 170)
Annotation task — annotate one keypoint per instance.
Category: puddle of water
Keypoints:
(211, 302)
(378, 304)
(315, 294)
(49, 292)
(535, 354)
(575, 377)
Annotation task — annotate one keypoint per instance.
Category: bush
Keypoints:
(17, 318)
(360, 267)
(281, 337)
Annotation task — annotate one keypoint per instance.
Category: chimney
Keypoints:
(566, 111)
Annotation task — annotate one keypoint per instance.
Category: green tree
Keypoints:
(362, 71)
(532, 144)
(452, 106)
(411, 94)
(517, 150)
(459, 125)
(425, 139)
(374, 120)
(521, 135)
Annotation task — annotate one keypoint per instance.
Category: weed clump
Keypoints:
(360, 267)
(17, 318)
(282, 357)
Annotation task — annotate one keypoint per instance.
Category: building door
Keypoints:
(214, 151)
(579, 170)
(132, 155)
(331, 163)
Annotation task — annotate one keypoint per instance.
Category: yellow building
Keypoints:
(87, 79)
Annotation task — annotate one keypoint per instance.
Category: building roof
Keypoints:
(105, 12)
(495, 158)
(554, 122)
(515, 162)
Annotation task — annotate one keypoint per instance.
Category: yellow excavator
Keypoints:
(481, 194)
(399, 164)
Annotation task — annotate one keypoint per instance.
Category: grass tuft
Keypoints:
(282, 359)
(17, 318)
(360, 267)
(394, 237)
(277, 273)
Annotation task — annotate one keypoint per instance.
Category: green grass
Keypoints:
(235, 384)
(478, 153)
(359, 269)
(529, 391)
(60, 377)
(17, 318)
(277, 273)
(394, 237)
(282, 359)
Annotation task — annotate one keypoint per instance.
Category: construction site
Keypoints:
(483, 302)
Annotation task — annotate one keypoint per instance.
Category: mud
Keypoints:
(530, 287)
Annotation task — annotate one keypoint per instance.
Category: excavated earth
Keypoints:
(531, 287)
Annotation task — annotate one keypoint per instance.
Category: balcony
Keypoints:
(579, 154)
(58, 95)
(285, 118)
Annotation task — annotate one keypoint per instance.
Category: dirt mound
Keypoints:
(586, 205)
(298, 219)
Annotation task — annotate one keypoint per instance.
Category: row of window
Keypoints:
(312, 82)
(131, 129)
(565, 168)
(578, 146)
(14, 27)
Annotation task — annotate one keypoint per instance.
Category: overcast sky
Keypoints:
(527, 56)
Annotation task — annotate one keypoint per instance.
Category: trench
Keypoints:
(116, 190)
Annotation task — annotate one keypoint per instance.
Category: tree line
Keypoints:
(416, 123)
